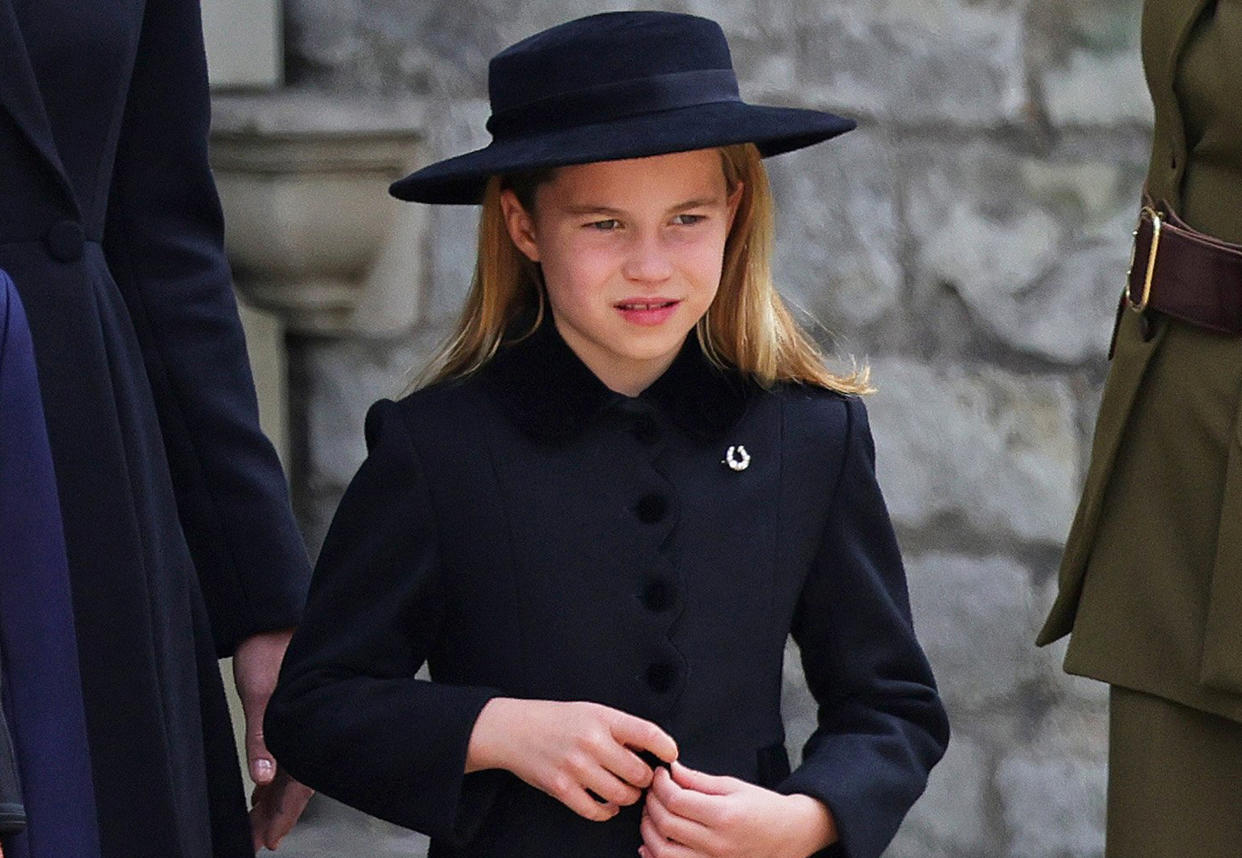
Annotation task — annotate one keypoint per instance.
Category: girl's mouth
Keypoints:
(649, 312)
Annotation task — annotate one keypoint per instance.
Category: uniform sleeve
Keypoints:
(881, 726)
(164, 244)
(349, 717)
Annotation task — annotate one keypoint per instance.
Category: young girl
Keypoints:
(630, 480)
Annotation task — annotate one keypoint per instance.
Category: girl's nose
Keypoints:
(648, 261)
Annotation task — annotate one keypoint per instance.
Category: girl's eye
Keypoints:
(688, 219)
(605, 225)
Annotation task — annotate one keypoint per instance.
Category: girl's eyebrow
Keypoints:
(591, 209)
(697, 203)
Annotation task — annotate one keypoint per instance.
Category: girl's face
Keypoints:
(631, 253)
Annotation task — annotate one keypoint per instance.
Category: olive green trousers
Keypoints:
(1174, 780)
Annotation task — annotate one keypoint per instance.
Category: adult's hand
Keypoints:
(689, 814)
(278, 800)
(578, 753)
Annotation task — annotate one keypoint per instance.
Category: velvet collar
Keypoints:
(552, 395)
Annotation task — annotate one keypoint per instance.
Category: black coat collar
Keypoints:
(552, 395)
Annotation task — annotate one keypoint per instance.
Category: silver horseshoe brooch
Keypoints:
(737, 458)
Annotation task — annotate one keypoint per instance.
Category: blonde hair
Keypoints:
(747, 326)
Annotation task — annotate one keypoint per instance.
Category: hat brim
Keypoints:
(461, 180)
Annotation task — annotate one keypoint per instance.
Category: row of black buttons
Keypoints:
(658, 593)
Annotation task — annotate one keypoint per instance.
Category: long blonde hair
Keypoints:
(747, 326)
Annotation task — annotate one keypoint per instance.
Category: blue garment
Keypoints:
(43, 696)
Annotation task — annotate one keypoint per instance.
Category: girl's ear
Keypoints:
(520, 224)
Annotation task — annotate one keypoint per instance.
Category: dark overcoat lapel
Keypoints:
(20, 96)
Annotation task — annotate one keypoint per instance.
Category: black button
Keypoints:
(658, 594)
(65, 240)
(651, 508)
(645, 429)
(661, 676)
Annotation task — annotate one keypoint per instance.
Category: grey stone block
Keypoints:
(953, 818)
(1053, 802)
(993, 452)
(838, 235)
(1036, 249)
(913, 61)
(1086, 57)
(977, 622)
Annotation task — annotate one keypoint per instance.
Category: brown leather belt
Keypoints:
(1183, 273)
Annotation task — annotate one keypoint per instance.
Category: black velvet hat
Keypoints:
(612, 86)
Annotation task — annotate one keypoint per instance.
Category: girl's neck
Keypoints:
(627, 377)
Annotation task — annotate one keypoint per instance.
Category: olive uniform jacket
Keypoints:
(1151, 579)
(529, 533)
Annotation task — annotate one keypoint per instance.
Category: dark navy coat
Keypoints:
(177, 525)
(38, 647)
(528, 533)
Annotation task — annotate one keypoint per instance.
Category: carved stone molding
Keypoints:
(311, 232)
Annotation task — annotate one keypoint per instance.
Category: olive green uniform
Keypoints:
(1151, 579)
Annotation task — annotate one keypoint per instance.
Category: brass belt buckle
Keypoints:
(1157, 223)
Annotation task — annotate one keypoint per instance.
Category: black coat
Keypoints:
(529, 533)
(177, 524)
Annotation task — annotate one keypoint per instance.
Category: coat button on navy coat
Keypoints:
(646, 430)
(660, 676)
(651, 508)
(658, 594)
(65, 240)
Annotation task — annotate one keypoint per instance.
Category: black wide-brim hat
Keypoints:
(612, 86)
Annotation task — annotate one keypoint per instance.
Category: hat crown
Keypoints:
(612, 86)
(602, 51)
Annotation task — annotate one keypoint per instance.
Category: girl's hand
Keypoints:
(689, 814)
(578, 753)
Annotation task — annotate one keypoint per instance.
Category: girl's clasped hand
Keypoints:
(587, 756)
(584, 755)
(690, 814)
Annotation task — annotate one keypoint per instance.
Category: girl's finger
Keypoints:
(661, 847)
(612, 789)
(691, 834)
(585, 805)
(643, 736)
(687, 803)
(701, 781)
(627, 766)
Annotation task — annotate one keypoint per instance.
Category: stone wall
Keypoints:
(968, 241)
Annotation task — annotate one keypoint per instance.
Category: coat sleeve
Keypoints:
(164, 244)
(348, 716)
(881, 726)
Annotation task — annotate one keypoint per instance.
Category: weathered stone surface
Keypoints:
(1037, 249)
(1053, 804)
(953, 818)
(995, 451)
(977, 622)
(337, 381)
(1087, 59)
(797, 705)
(838, 236)
(332, 830)
(925, 61)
